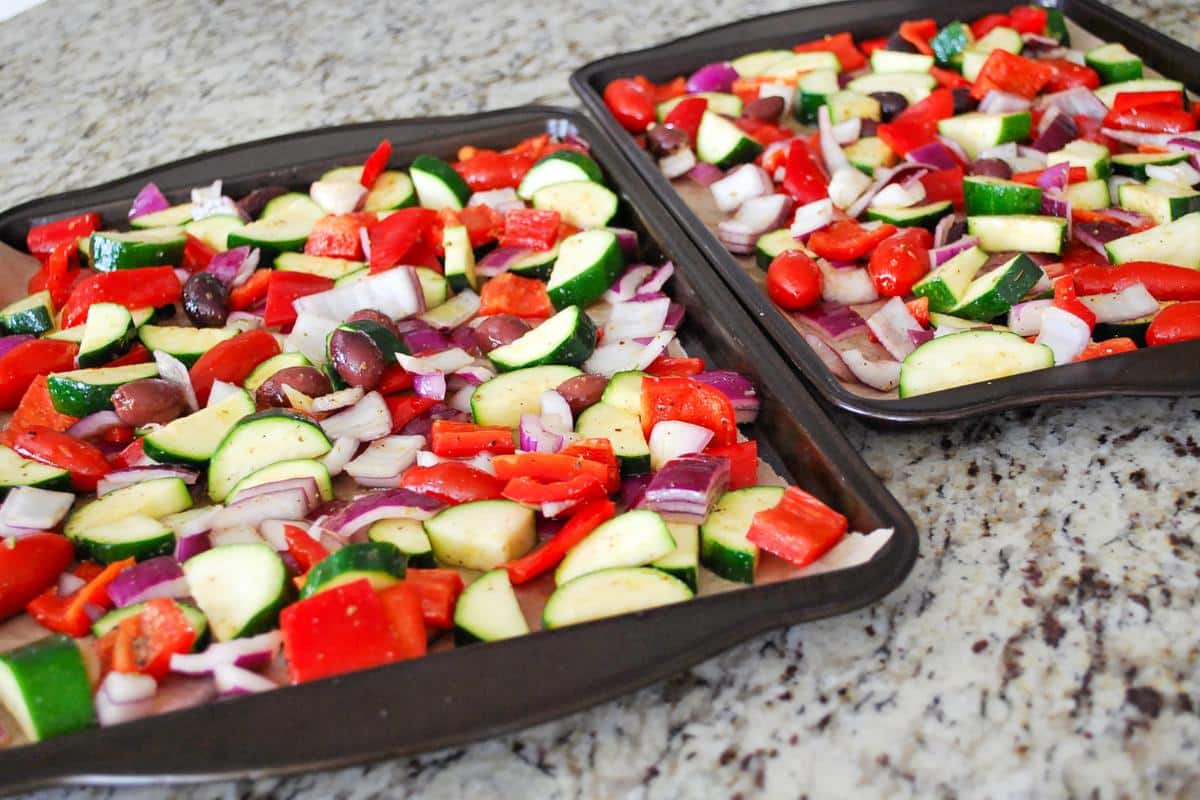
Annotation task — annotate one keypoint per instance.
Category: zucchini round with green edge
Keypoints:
(923, 216)
(488, 611)
(756, 63)
(890, 61)
(683, 562)
(393, 189)
(287, 470)
(294, 206)
(192, 440)
(172, 217)
(239, 587)
(154, 247)
(847, 104)
(772, 244)
(624, 391)
(272, 236)
(568, 337)
(438, 185)
(632, 539)
(915, 86)
(272, 365)
(214, 231)
(1094, 158)
(723, 144)
(1114, 63)
(724, 548)
(85, 391)
(984, 194)
(992, 294)
(112, 619)
(482, 534)
(813, 91)
(33, 314)
(409, 536)
(1163, 203)
(503, 399)
(261, 440)
(560, 166)
(1134, 164)
(155, 498)
(1175, 243)
(186, 344)
(434, 287)
(588, 263)
(584, 204)
(537, 264)
(136, 536)
(797, 64)
(1019, 233)
(623, 429)
(946, 285)
(332, 268)
(610, 592)
(381, 563)
(45, 686)
(1089, 195)
(977, 131)
(458, 263)
(108, 333)
(969, 357)
(16, 470)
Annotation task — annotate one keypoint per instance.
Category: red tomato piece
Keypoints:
(794, 281)
(900, 261)
(84, 461)
(29, 566)
(453, 482)
(630, 103)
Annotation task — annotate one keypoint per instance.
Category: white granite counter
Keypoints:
(1045, 645)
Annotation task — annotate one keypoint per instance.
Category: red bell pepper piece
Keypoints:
(453, 482)
(339, 630)
(29, 566)
(232, 361)
(1068, 75)
(688, 400)
(129, 456)
(376, 163)
(678, 367)
(138, 354)
(869, 46)
(511, 294)
(799, 530)
(395, 380)
(1161, 118)
(145, 643)
(394, 236)
(1074, 175)
(84, 461)
(841, 45)
(846, 240)
(404, 409)
(286, 287)
(949, 79)
(450, 439)
(1176, 323)
(403, 608)
(36, 409)
(196, 254)
(547, 467)
(1066, 299)
(918, 32)
(438, 590)
(686, 116)
(304, 548)
(586, 519)
(919, 308)
(58, 275)
(1091, 130)
(530, 228)
(132, 288)
(944, 184)
(663, 92)
(1124, 101)
(803, 178)
(43, 239)
(486, 170)
(339, 236)
(904, 137)
(631, 103)
(483, 223)
(937, 106)
(1109, 347)
(763, 132)
(534, 493)
(598, 451)
(1009, 72)
(252, 292)
(743, 462)
(1029, 19)
(1163, 281)
(69, 614)
(984, 25)
(25, 362)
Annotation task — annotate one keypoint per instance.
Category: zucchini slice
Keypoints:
(584, 204)
(239, 587)
(459, 262)
(381, 563)
(588, 262)
(173, 217)
(947, 285)
(684, 561)
(623, 429)
(33, 314)
(286, 470)
(409, 536)
(111, 250)
(438, 185)
(45, 686)
(260, 440)
(193, 439)
(724, 548)
(186, 344)
(1019, 233)
(561, 166)
(503, 399)
(720, 142)
(85, 391)
(610, 592)
(214, 231)
(481, 535)
(969, 357)
(632, 539)
(16, 470)
(332, 268)
(488, 611)
(1177, 242)
(993, 294)
(568, 337)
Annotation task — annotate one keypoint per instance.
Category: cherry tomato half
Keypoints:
(794, 281)
(900, 261)
(631, 103)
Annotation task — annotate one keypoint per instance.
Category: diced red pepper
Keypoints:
(919, 308)
(598, 451)
(1074, 175)
(799, 530)
(395, 379)
(339, 236)
(29, 566)
(1009, 72)
(743, 462)
(1162, 281)
(58, 275)
(1066, 299)
(393, 237)
(145, 642)
(453, 482)
(530, 228)
(985, 25)
(949, 79)
(869, 46)
(511, 294)
(129, 456)
(28, 360)
(665, 91)
(937, 106)
(1029, 19)
(232, 361)
(841, 45)
(336, 631)
(196, 254)
(43, 239)
(438, 590)
(304, 548)
(1068, 75)
(687, 400)
(944, 184)
(69, 615)
(763, 132)
(83, 460)
(252, 292)
(674, 366)
(533, 493)
(583, 521)
(450, 439)
(1090, 130)
(803, 178)
(686, 116)
(36, 409)
(1161, 118)
(286, 287)
(403, 608)
(846, 240)
(1109, 347)
(1127, 100)
(918, 32)
(405, 408)
(486, 170)
(1179, 322)
(484, 224)
(547, 467)
(903, 137)
(376, 163)
(132, 288)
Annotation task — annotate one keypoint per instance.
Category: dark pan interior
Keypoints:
(1165, 371)
(469, 693)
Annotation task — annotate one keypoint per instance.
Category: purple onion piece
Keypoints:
(715, 77)
(834, 319)
(684, 489)
(155, 577)
(148, 201)
(364, 510)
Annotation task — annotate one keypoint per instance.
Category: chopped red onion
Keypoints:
(831, 153)
(443, 362)
(382, 463)
(432, 386)
(123, 697)
(1036, 42)
(954, 147)
(1056, 133)
(130, 475)
(633, 487)
(671, 439)
(674, 317)
(370, 508)
(366, 420)
(422, 425)
(499, 200)
(1132, 218)
(705, 174)
(936, 154)
(846, 286)
(1132, 302)
(715, 77)
(307, 485)
(69, 583)
(812, 217)
(337, 197)
(637, 318)
(755, 217)
(94, 424)
(148, 201)
(653, 349)
(685, 488)
(474, 375)
(1055, 204)
(232, 681)
(941, 232)
(892, 324)
(344, 448)
(251, 511)
(1097, 234)
(829, 357)
(881, 375)
(39, 509)
(364, 239)
(1000, 102)
(677, 164)
(882, 178)
(396, 293)
(1064, 333)
(535, 438)
(741, 184)
(148, 580)
(253, 653)
(627, 284)
(172, 369)
(186, 547)
(1055, 177)
(342, 398)
(847, 131)
(207, 201)
(500, 259)
(232, 265)
(1025, 319)
(309, 334)
(657, 279)
(1138, 137)
(627, 240)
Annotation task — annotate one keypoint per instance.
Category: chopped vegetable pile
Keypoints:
(333, 429)
(976, 200)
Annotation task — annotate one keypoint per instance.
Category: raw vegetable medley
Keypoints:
(977, 200)
(521, 419)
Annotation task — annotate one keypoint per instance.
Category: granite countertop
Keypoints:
(1045, 644)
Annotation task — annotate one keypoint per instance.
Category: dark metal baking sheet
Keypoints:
(469, 693)
(1164, 371)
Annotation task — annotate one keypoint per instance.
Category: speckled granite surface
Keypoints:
(1046, 645)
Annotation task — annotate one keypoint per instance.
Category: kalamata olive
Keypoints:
(500, 330)
(307, 380)
(371, 315)
(991, 167)
(662, 140)
(766, 109)
(205, 300)
(890, 104)
(898, 44)
(356, 357)
(151, 400)
(963, 102)
(869, 128)
(253, 204)
(582, 391)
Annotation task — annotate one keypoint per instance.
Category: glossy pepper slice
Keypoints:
(29, 566)
(800, 529)
(132, 288)
(450, 439)
(43, 239)
(339, 630)
(583, 521)
(687, 400)
(69, 615)
(453, 482)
